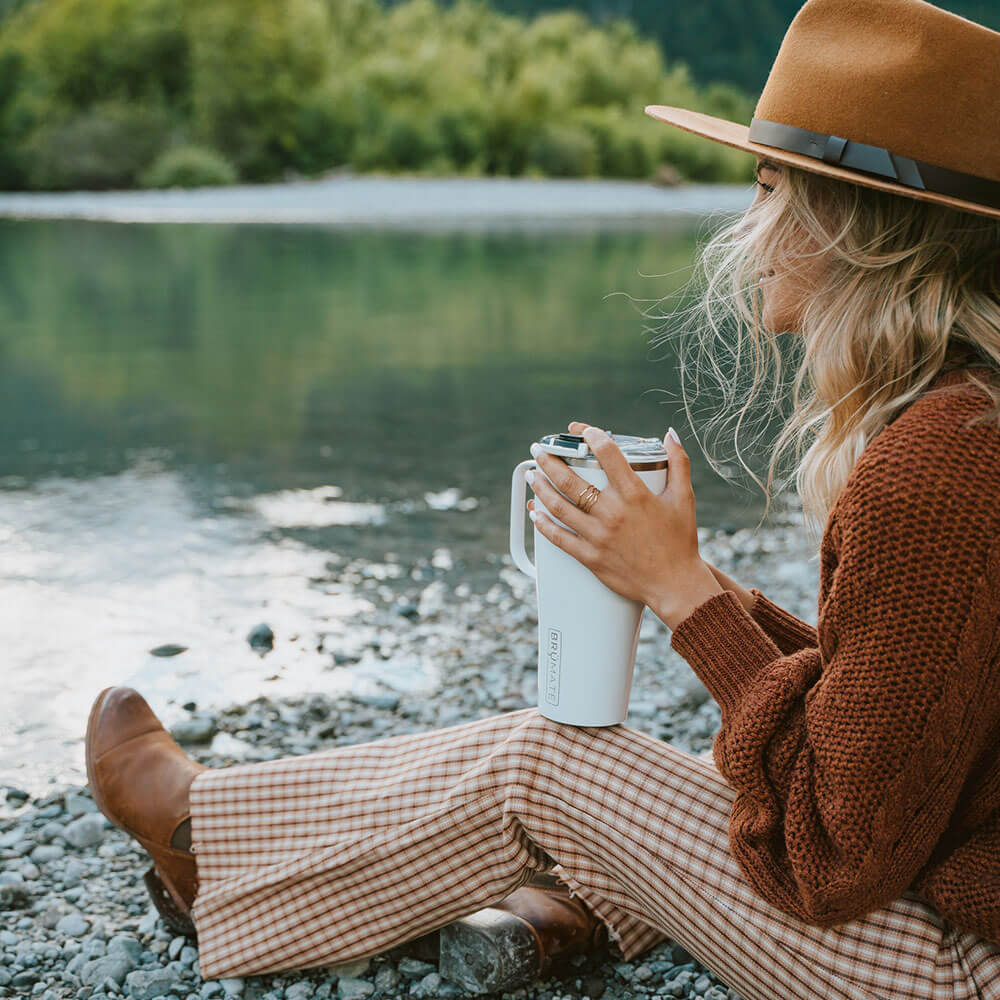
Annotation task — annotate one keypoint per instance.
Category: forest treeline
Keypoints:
(123, 93)
(720, 40)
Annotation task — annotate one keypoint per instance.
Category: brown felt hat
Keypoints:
(898, 95)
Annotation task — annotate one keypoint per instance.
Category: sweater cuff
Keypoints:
(790, 633)
(725, 647)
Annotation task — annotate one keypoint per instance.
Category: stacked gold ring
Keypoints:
(587, 498)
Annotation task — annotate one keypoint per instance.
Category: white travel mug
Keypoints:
(587, 634)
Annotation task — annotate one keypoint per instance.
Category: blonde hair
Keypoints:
(908, 289)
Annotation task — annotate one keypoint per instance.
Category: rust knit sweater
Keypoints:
(864, 752)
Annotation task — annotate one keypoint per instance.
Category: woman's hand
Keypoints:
(639, 544)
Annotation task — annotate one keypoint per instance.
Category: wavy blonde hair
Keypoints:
(909, 288)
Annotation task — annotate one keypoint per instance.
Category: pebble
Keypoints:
(44, 853)
(387, 978)
(72, 925)
(261, 637)
(351, 988)
(57, 874)
(196, 729)
(413, 968)
(143, 985)
(429, 986)
(77, 804)
(87, 831)
(99, 970)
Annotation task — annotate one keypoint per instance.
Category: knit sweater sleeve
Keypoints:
(848, 755)
(788, 632)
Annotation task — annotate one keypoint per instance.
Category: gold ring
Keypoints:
(587, 498)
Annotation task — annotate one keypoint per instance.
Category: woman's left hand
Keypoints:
(639, 544)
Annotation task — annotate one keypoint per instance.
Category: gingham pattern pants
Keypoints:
(344, 853)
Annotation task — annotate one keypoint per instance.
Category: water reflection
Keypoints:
(196, 422)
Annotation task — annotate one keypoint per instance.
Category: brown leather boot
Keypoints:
(140, 779)
(513, 942)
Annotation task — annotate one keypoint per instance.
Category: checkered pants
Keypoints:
(350, 851)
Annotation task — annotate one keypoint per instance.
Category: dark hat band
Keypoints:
(876, 160)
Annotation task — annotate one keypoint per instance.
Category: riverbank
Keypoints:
(348, 199)
(74, 917)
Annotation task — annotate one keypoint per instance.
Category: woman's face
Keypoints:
(784, 293)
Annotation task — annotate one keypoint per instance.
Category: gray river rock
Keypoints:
(75, 920)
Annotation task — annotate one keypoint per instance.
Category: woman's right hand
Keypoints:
(726, 582)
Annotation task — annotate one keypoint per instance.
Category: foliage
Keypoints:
(733, 41)
(188, 166)
(104, 146)
(100, 93)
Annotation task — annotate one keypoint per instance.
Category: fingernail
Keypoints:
(532, 515)
(535, 449)
(529, 476)
(592, 434)
(671, 433)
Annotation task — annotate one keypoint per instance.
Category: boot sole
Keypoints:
(489, 950)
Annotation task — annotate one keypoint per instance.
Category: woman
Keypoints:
(843, 838)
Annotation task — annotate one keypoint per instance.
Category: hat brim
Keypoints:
(734, 134)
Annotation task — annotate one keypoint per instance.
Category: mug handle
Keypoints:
(518, 505)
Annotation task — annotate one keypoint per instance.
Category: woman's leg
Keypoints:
(350, 851)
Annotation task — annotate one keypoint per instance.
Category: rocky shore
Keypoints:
(75, 920)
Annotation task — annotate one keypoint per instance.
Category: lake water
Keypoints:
(200, 424)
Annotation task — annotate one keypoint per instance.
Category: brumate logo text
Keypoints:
(553, 663)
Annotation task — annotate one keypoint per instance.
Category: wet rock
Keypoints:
(232, 987)
(168, 649)
(196, 729)
(16, 796)
(261, 637)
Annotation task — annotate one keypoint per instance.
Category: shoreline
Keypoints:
(75, 920)
(353, 200)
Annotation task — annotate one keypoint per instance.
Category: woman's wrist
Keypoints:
(728, 583)
(690, 590)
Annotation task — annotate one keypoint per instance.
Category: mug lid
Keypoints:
(641, 452)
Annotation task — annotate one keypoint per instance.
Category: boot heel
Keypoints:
(489, 950)
(173, 916)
